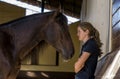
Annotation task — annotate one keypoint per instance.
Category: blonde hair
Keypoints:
(93, 32)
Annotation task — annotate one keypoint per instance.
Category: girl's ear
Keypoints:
(87, 31)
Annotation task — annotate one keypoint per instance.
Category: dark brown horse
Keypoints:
(19, 37)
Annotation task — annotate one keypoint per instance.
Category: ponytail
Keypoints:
(96, 36)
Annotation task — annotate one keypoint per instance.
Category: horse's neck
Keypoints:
(24, 33)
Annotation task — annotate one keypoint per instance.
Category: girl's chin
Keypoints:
(80, 39)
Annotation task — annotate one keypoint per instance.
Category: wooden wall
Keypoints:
(10, 12)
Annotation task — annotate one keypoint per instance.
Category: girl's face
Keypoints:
(82, 35)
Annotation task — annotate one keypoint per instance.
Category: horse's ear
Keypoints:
(57, 12)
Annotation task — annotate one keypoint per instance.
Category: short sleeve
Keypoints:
(90, 47)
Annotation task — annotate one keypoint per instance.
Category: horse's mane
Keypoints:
(25, 18)
(60, 18)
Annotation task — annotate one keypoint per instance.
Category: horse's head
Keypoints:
(57, 34)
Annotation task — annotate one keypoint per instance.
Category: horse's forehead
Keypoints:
(60, 20)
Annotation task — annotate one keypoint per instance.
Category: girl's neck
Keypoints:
(86, 39)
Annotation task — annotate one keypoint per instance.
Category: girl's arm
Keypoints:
(81, 61)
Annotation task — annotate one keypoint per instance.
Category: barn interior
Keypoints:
(69, 7)
(102, 13)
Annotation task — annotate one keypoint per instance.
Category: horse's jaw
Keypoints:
(66, 60)
(66, 56)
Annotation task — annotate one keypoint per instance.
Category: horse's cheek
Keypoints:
(51, 35)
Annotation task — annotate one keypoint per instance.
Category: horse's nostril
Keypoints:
(72, 53)
(71, 56)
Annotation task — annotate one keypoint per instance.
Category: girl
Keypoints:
(86, 64)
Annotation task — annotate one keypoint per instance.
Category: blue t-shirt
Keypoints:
(90, 65)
